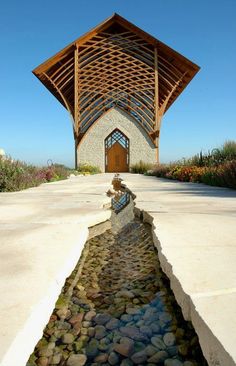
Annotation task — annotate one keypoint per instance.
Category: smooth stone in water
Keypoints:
(92, 348)
(100, 332)
(101, 358)
(134, 333)
(133, 311)
(165, 317)
(56, 359)
(113, 359)
(113, 324)
(172, 351)
(126, 362)
(139, 357)
(90, 315)
(76, 318)
(91, 331)
(42, 361)
(158, 357)
(155, 328)
(125, 293)
(126, 318)
(86, 324)
(76, 360)
(173, 362)
(124, 349)
(157, 342)
(149, 313)
(102, 319)
(183, 349)
(146, 330)
(169, 339)
(151, 350)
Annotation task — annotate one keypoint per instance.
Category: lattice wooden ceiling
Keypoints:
(117, 64)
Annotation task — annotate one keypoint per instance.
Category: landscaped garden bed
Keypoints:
(216, 168)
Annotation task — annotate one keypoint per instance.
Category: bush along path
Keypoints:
(215, 168)
(16, 175)
(117, 308)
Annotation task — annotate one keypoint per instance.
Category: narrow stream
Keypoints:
(117, 307)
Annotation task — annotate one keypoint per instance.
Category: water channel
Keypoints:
(117, 307)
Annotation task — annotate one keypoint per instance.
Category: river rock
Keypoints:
(146, 330)
(133, 332)
(126, 318)
(183, 349)
(91, 331)
(56, 359)
(101, 358)
(90, 315)
(126, 362)
(76, 360)
(133, 311)
(149, 313)
(76, 318)
(43, 361)
(92, 348)
(102, 319)
(155, 328)
(169, 339)
(158, 342)
(165, 317)
(113, 359)
(173, 362)
(139, 357)
(100, 331)
(113, 324)
(67, 338)
(86, 324)
(158, 357)
(45, 352)
(125, 293)
(125, 349)
(151, 350)
(172, 351)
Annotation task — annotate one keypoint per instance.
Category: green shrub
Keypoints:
(141, 167)
(87, 168)
(161, 170)
(16, 175)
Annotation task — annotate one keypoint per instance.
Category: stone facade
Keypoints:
(92, 149)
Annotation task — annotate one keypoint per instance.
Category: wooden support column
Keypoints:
(157, 116)
(76, 101)
(76, 157)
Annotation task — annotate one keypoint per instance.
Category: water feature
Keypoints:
(117, 307)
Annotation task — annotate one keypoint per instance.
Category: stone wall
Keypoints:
(91, 149)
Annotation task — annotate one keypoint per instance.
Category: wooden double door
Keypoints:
(117, 152)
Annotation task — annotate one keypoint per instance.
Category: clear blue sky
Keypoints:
(35, 127)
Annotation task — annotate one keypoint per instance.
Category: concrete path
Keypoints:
(42, 234)
(43, 230)
(196, 230)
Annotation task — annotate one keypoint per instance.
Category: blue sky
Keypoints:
(34, 127)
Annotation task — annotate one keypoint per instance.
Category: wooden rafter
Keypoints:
(117, 64)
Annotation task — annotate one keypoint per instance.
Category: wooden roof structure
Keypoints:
(116, 64)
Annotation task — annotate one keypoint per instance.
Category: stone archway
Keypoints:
(116, 152)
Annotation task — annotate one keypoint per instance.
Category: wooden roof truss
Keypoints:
(116, 64)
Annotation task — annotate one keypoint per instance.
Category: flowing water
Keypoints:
(117, 307)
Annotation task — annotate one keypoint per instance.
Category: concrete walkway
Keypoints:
(43, 231)
(195, 227)
(42, 234)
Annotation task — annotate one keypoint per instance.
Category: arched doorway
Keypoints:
(116, 152)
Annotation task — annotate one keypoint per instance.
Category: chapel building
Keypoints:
(116, 81)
